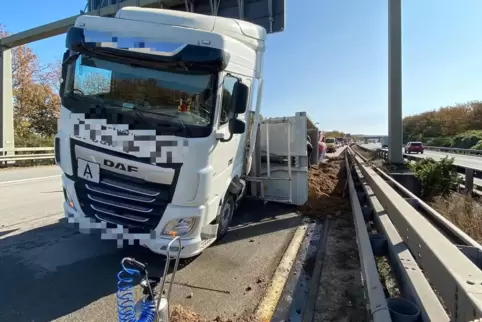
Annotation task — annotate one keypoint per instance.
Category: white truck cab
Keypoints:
(153, 136)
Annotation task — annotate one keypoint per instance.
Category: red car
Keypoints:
(416, 147)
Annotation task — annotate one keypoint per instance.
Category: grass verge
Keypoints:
(463, 211)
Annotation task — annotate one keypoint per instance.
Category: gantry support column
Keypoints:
(395, 123)
(6, 101)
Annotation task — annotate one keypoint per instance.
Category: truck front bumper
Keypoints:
(192, 245)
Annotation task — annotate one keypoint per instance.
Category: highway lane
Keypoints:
(462, 160)
(23, 201)
(51, 272)
(8, 175)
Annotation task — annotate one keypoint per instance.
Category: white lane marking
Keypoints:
(4, 183)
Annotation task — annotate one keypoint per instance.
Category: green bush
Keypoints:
(467, 139)
(34, 141)
(438, 178)
(440, 141)
(478, 146)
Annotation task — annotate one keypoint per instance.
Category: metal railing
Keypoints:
(468, 174)
(436, 264)
(471, 152)
(377, 307)
(26, 154)
(454, 150)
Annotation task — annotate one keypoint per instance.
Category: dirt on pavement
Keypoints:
(326, 189)
(340, 293)
(180, 314)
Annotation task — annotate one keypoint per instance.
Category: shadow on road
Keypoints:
(255, 218)
(49, 272)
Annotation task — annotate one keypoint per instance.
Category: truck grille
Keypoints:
(120, 200)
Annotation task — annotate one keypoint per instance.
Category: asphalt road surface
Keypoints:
(50, 272)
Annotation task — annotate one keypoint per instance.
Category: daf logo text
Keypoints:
(120, 166)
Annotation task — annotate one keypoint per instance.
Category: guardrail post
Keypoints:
(6, 102)
(469, 181)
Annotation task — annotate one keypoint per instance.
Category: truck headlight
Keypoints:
(179, 227)
(68, 199)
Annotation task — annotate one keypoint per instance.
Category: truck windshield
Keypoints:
(145, 98)
(330, 140)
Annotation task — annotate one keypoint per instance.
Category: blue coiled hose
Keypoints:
(125, 298)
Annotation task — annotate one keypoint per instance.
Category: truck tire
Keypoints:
(226, 211)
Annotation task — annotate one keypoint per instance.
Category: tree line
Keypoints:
(458, 126)
(35, 97)
(334, 134)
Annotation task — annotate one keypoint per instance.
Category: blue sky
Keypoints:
(332, 59)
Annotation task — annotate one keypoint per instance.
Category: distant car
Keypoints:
(416, 147)
(384, 142)
(330, 145)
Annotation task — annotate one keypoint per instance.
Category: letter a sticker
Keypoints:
(87, 171)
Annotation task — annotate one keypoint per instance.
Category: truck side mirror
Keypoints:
(236, 126)
(239, 98)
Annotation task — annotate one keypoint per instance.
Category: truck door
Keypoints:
(228, 157)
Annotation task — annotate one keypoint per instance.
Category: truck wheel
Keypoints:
(226, 212)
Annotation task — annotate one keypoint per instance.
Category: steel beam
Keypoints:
(6, 101)
(395, 123)
(42, 32)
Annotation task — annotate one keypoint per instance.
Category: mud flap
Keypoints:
(209, 231)
(237, 188)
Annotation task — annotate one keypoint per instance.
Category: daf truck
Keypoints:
(159, 123)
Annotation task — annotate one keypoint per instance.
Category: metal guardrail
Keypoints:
(26, 154)
(433, 272)
(454, 150)
(377, 304)
(468, 173)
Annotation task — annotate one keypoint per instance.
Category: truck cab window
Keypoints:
(147, 96)
(228, 85)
